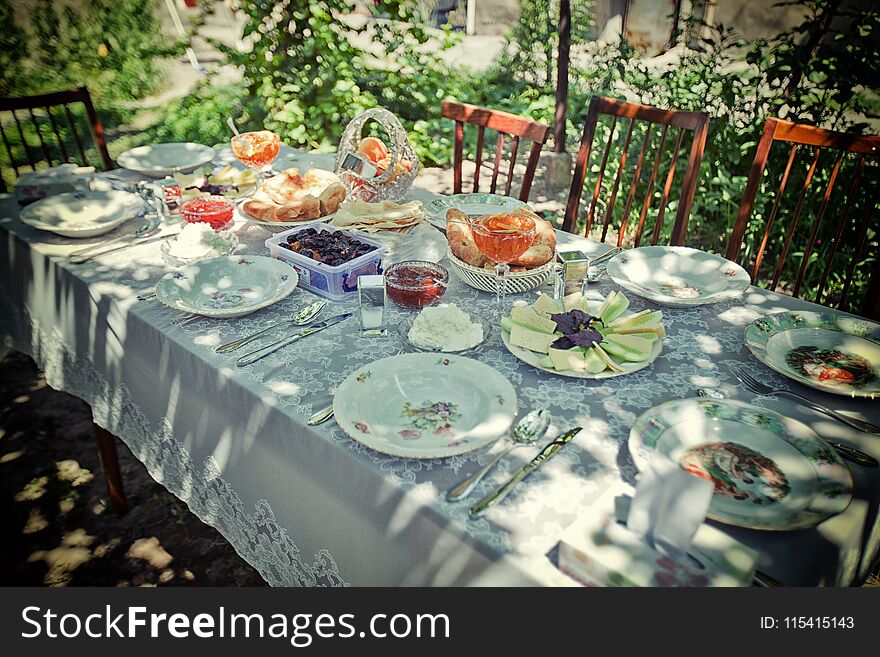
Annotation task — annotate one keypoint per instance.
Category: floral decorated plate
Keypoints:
(433, 405)
(229, 286)
(166, 159)
(824, 350)
(82, 214)
(533, 358)
(678, 276)
(473, 205)
(769, 472)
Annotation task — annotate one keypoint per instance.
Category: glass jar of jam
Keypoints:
(216, 211)
(415, 283)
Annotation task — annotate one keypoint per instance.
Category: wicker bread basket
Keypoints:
(484, 279)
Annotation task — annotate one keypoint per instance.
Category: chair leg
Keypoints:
(110, 465)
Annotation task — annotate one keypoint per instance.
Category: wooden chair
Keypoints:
(649, 120)
(506, 125)
(37, 110)
(857, 154)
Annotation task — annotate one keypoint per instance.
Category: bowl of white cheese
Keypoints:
(443, 328)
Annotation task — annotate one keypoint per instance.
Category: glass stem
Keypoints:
(502, 269)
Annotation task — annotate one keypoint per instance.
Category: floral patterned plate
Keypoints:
(82, 214)
(473, 205)
(769, 471)
(166, 159)
(230, 286)
(678, 276)
(432, 405)
(824, 350)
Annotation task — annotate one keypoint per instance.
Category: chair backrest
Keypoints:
(856, 157)
(653, 125)
(505, 125)
(33, 143)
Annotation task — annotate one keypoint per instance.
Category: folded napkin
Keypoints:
(67, 177)
(654, 537)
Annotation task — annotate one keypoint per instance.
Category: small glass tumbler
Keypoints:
(372, 301)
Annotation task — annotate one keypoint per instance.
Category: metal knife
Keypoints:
(502, 491)
(80, 259)
(254, 356)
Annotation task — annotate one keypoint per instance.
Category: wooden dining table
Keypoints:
(308, 505)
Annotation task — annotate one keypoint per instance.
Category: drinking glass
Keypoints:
(257, 150)
(503, 238)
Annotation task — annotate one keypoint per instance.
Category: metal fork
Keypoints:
(759, 388)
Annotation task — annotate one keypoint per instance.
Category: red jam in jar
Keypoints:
(415, 283)
(214, 210)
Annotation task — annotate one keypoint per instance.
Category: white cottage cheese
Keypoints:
(445, 327)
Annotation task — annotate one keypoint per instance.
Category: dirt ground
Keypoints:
(57, 526)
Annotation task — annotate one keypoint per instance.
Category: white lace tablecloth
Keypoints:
(309, 506)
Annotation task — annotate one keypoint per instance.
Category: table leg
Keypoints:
(110, 465)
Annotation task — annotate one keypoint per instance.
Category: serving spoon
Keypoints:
(529, 430)
(300, 318)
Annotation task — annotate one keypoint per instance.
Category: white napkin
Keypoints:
(669, 506)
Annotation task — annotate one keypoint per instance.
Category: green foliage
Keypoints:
(200, 116)
(112, 46)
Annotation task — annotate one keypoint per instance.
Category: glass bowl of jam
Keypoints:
(415, 283)
(216, 211)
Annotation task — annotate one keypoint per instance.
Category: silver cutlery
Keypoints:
(545, 455)
(149, 226)
(254, 356)
(300, 318)
(606, 256)
(847, 452)
(146, 296)
(81, 259)
(529, 430)
(759, 388)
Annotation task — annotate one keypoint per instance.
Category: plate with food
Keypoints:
(84, 213)
(582, 338)
(166, 159)
(229, 286)
(769, 471)
(824, 350)
(378, 218)
(433, 405)
(471, 205)
(678, 276)
(443, 328)
(527, 272)
(290, 198)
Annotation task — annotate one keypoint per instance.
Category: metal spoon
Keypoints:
(847, 452)
(300, 318)
(527, 431)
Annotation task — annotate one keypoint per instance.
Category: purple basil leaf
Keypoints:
(585, 338)
(562, 343)
(572, 321)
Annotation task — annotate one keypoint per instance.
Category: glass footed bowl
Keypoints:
(403, 327)
(176, 260)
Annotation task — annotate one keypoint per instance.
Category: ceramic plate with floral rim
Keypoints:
(432, 405)
(82, 214)
(230, 286)
(166, 159)
(678, 276)
(769, 471)
(473, 205)
(824, 350)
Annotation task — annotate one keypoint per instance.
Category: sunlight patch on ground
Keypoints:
(21, 399)
(33, 490)
(36, 522)
(150, 551)
(11, 456)
(67, 557)
(71, 471)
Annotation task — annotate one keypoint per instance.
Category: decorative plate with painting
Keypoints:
(432, 405)
(824, 350)
(769, 472)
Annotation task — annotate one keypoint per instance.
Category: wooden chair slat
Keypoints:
(650, 192)
(814, 232)
(664, 198)
(692, 122)
(505, 124)
(481, 134)
(862, 236)
(60, 141)
(598, 186)
(514, 148)
(773, 212)
(838, 233)
(632, 190)
(24, 143)
(8, 151)
(795, 219)
(36, 125)
(76, 138)
(499, 152)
